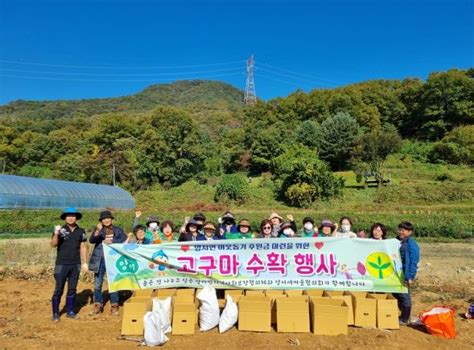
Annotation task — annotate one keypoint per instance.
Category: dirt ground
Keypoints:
(445, 277)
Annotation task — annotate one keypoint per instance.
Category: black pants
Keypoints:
(63, 273)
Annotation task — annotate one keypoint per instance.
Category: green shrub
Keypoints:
(457, 147)
(302, 178)
(449, 152)
(417, 150)
(232, 188)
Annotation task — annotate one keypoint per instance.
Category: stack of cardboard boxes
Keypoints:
(317, 311)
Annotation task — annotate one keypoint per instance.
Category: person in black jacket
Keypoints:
(70, 241)
(104, 233)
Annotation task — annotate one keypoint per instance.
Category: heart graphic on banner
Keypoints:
(184, 248)
(319, 245)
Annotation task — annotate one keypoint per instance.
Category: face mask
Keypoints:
(308, 226)
(153, 225)
(288, 232)
(345, 228)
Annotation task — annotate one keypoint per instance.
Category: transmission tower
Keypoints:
(250, 97)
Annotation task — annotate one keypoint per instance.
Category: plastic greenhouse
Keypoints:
(29, 192)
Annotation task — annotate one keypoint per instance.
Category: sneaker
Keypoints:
(114, 310)
(403, 322)
(55, 317)
(72, 315)
(97, 309)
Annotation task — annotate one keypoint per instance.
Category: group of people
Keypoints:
(198, 229)
(70, 241)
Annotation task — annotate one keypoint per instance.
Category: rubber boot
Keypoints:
(55, 306)
(70, 307)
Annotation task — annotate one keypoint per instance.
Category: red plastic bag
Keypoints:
(439, 321)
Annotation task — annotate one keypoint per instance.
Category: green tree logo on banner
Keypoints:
(126, 265)
(379, 265)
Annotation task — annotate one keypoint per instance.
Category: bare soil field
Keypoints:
(446, 277)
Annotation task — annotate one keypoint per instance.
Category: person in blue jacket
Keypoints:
(227, 226)
(410, 256)
(104, 233)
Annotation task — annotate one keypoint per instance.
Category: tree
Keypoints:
(308, 134)
(303, 178)
(372, 152)
(339, 135)
(446, 99)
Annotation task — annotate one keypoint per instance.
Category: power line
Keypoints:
(285, 81)
(294, 78)
(300, 74)
(121, 67)
(121, 74)
(118, 80)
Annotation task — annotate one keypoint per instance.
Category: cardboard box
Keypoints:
(387, 311)
(143, 293)
(294, 292)
(293, 314)
(314, 292)
(364, 310)
(183, 299)
(331, 293)
(256, 293)
(350, 309)
(255, 314)
(166, 292)
(274, 292)
(185, 291)
(132, 318)
(140, 299)
(328, 316)
(236, 294)
(184, 318)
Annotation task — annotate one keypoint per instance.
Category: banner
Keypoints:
(277, 263)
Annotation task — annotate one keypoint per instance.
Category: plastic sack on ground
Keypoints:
(229, 315)
(153, 333)
(163, 307)
(209, 310)
(439, 321)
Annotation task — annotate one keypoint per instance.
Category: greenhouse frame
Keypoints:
(29, 192)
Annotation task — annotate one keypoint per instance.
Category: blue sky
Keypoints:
(81, 49)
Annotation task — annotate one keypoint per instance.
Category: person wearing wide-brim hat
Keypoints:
(245, 229)
(277, 221)
(200, 218)
(227, 227)
(153, 231)
(286, 230)
(326, 228)
(191, 231)
(209, 232)
(70, 241)
(104, 233)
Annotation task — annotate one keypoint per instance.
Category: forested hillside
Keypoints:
(171, 133)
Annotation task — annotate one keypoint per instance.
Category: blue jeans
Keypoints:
(404, 304)
(98, 281)
(63, 273)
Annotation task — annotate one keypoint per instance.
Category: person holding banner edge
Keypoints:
(410, 256)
